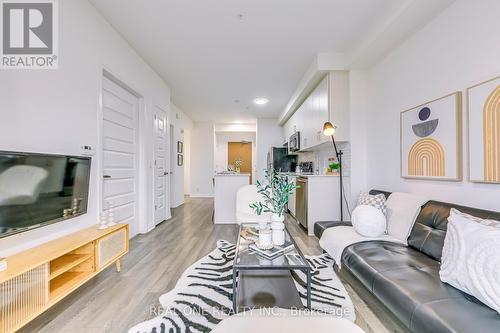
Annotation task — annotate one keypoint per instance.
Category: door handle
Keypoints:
(106, 176)
(165, 173)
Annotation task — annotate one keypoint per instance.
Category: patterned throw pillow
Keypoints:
(471, 260)
(491, 223)
(377, 201)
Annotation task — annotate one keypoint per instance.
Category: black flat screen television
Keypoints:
(40, 189)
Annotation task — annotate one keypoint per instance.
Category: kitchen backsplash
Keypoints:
(320, 157)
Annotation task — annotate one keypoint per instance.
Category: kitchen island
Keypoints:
(226, 187)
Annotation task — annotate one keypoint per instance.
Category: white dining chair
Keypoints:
(244, 197)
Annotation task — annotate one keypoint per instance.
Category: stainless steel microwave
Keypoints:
(294, 142)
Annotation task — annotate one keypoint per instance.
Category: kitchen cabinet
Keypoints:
(312, 114)
(320, 111)
(318, 200)
(338, 104)
(305, 124)
(329, 101)
(291, 198)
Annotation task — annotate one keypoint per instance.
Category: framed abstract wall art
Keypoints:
(483, 101)
(431, 140)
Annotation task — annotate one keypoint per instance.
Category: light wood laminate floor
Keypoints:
(114, 302)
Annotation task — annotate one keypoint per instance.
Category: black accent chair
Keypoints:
(406, 278)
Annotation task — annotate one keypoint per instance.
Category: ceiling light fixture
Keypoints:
(260, 101)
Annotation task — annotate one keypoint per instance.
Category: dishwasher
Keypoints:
(301, 201)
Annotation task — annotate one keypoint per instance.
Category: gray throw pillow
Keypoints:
(377, 201)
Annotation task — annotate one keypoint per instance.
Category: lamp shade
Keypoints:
(328, 129)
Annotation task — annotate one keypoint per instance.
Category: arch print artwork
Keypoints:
(426, 158)
(431, 140)
(484, 131)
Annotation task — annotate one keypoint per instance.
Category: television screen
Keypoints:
(37, 189)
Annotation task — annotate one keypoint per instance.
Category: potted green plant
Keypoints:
(334, 167)
(275, 193)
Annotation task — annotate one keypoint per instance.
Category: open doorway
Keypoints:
(224, 160)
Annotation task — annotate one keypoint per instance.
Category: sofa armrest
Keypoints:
(320, 227)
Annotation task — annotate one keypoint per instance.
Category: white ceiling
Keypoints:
(216, 61)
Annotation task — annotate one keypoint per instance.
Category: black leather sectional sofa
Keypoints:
(406, 278)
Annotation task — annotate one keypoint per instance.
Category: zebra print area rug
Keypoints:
(203, 295)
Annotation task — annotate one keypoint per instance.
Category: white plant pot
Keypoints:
(277, 218)
(278, 233)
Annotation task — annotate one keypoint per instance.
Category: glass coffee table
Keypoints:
(262, 282)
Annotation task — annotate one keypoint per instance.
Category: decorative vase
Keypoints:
(265, 237)
(278, 228)
(277, 218)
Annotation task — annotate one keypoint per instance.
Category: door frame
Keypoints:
(168, 214)
(141, 162)
(172, 151)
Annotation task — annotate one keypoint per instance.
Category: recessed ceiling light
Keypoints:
(261, 101)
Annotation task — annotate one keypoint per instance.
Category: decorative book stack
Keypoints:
(273, 252)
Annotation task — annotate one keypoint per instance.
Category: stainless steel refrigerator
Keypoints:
(278, 158)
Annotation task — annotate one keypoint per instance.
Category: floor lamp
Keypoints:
(329, 130)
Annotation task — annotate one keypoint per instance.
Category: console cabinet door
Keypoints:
(110, 247)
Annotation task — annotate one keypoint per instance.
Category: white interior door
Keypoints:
(162, 166)
(120, 154)
(173, 162)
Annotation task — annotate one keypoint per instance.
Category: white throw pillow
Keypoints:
(471, 257)
(402, 211)
(368, 221)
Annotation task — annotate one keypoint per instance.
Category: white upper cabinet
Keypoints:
(329, 101)
(338, 104)
(305, 124)
(321, 114)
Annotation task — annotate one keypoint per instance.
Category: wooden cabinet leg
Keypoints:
(118, 265)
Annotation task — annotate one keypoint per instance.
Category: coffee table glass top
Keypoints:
(246, 258)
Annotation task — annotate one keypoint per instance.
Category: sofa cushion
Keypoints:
(335, 240)
(455, 315)
(430, 227)
(320, 227)
(407, 282)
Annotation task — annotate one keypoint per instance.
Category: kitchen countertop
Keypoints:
(232, 175)
(305, 175)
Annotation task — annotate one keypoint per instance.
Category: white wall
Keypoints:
(221, 148)
(182, 125)
(359, 103)
(454, 51)
(202, 159)
(269, 134)
(57, 111)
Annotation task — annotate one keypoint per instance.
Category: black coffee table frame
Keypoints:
(246, 260)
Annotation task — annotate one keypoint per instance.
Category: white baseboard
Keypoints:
(225, 220)
(201, 196)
